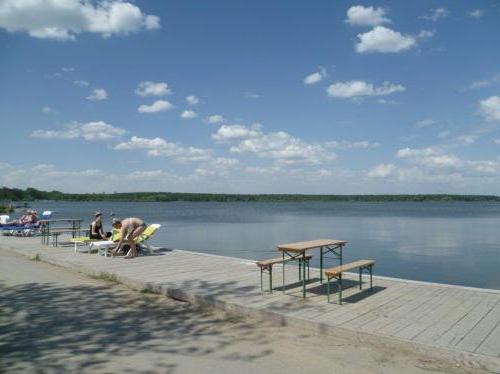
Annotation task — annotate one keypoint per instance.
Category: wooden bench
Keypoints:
(267, 265)
(337, 271)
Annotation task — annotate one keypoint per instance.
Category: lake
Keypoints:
(455, 242)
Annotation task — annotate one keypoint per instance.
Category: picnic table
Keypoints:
(49, 225)
(298, 250)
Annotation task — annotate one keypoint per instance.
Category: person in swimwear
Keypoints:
(130, 229)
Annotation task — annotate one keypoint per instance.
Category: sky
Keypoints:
(234, 96)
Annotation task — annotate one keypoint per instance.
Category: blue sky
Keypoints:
(250, 97)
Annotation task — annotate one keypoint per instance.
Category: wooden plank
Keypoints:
(480, 331)
(491, 344)
(332, 272)
(454, 335)
(311, 244)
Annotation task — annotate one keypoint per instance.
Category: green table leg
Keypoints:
(321, 265)
(304, 274)
(283, 254)
(271, 279)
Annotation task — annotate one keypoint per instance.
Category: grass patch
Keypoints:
(35, 258)
(147, 291)
(107, 277)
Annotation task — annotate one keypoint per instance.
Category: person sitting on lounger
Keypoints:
(30, 217)
(130, 229)
(96, 229)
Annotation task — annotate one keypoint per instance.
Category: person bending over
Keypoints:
(96, 228)
(130, 229)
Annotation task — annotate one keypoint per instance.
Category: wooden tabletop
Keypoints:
(311, 244)
(62, 220)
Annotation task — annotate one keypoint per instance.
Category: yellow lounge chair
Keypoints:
(143, 240)
(86, 241)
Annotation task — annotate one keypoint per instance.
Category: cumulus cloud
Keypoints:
(157, 106)
(64, 19)
(218, 167)
(315, 77)
(353, 89)
(384, 40)
(232, 132)
(280, 146)
(490, 108)
(192, 100)
(148, 88)
(382, 171)
(435, 14)
(98, 94)
(188, 114)
(215, 119)
(158, 147)
(359, 15)
(91, 131)
(344, 144)
(476, 13)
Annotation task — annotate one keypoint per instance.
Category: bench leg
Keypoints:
(271, 279)
(371, 282)
(300, 269)
(261, 271)
(308, 274)
(339, 284)
(283, 253)
(360, 280)
(328, 289)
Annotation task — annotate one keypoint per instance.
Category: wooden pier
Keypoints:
(436, 318)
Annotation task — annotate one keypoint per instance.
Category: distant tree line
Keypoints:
(30, 194)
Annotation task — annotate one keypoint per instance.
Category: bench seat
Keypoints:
(336, 272)
(267, 265)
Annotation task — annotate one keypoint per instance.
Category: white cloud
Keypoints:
(218, 167)
(215, 119)
(281, 147)
(490, 108)
(315, 77)
(435, 14)
(364, 144)
(417, 152)
(233, 132)
(148, 88)
(493, 81)
(157, 106)
(359, 15)
(382, 171)
(188, 114)
(192, 100)
(98, 94)
(497, 141)
(158, 147)
(64, 19)
(91, 131)
(49, 110)
(424, 34)
(81, 83)
(426, 122)
(384, 40)
(352, 89)
(476, 13)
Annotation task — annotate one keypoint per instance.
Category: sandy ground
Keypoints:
(53, 320)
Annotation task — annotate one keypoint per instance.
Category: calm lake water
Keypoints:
(457, 243)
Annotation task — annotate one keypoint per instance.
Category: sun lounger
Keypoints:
(103, 247)
(87, 242)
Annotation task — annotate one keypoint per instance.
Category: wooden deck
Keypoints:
(429, 315)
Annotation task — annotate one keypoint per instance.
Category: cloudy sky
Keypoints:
(250, 96)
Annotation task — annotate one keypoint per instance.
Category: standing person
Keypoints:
(96, 229)
(130, 229)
